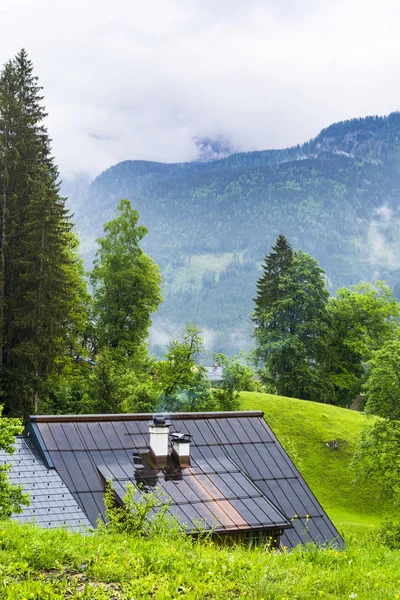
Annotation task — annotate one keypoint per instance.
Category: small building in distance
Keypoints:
(225, 470)
(214, 374)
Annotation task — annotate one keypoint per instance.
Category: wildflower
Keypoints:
(353, 595)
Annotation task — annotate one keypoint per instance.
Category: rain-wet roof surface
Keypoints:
(240, 477)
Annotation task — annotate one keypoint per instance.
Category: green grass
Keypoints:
(304, 428)
(40, 564)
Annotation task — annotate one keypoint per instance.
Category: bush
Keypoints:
(388, 534)
(133, 517)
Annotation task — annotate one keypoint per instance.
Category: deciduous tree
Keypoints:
(12, 497)
(360, 321)
(126, 283)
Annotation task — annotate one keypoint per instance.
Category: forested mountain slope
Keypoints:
(210, 224)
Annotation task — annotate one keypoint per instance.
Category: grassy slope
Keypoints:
(37, 564)
(302, 428)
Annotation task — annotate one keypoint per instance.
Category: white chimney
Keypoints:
(181, 448)
(159, 432)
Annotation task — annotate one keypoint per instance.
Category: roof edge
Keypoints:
(143, 416)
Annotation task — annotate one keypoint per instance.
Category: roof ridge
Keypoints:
(144, 416)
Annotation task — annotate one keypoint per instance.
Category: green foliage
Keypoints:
(387, 534)
(236, 377)
(289, 316)
(382, 387)
(126, 283)
(361, 319)
(136, 515)
(275, 267)
(11, 496)
(182, 383)
(378, 458)
(55, 564)
(119, 383)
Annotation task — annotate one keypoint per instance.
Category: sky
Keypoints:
(139, 79)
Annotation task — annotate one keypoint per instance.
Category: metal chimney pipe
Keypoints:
(181, 448)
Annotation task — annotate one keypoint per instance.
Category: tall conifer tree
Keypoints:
(290, 316)
(42, 294)
(274, 267)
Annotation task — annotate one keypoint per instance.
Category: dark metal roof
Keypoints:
(216, 493)
(51, 502)
(239, 478)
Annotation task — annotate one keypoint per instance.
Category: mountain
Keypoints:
(211, 223)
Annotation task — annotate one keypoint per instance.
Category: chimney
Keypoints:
(181, 448)
(159, 431)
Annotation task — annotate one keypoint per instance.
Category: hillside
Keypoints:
(304, 428)
(211, 223)
(55, 564)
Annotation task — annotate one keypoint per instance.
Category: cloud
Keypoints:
(138, 80)
(383, 251)
(385, 212)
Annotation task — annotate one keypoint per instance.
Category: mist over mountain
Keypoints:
(211, 223)
(212, 148)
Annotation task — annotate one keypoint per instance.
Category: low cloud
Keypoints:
(139, 80)
(383, 251)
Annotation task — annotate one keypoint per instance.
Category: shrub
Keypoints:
(388, 534)
(133, 517)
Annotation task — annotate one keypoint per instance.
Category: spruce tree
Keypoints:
(275, 265)
(290, 317)
(42, 293)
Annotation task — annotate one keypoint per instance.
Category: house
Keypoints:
(226, 470)
(214, 374)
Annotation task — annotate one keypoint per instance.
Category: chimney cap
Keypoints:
(161, 421)
(181, 437)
